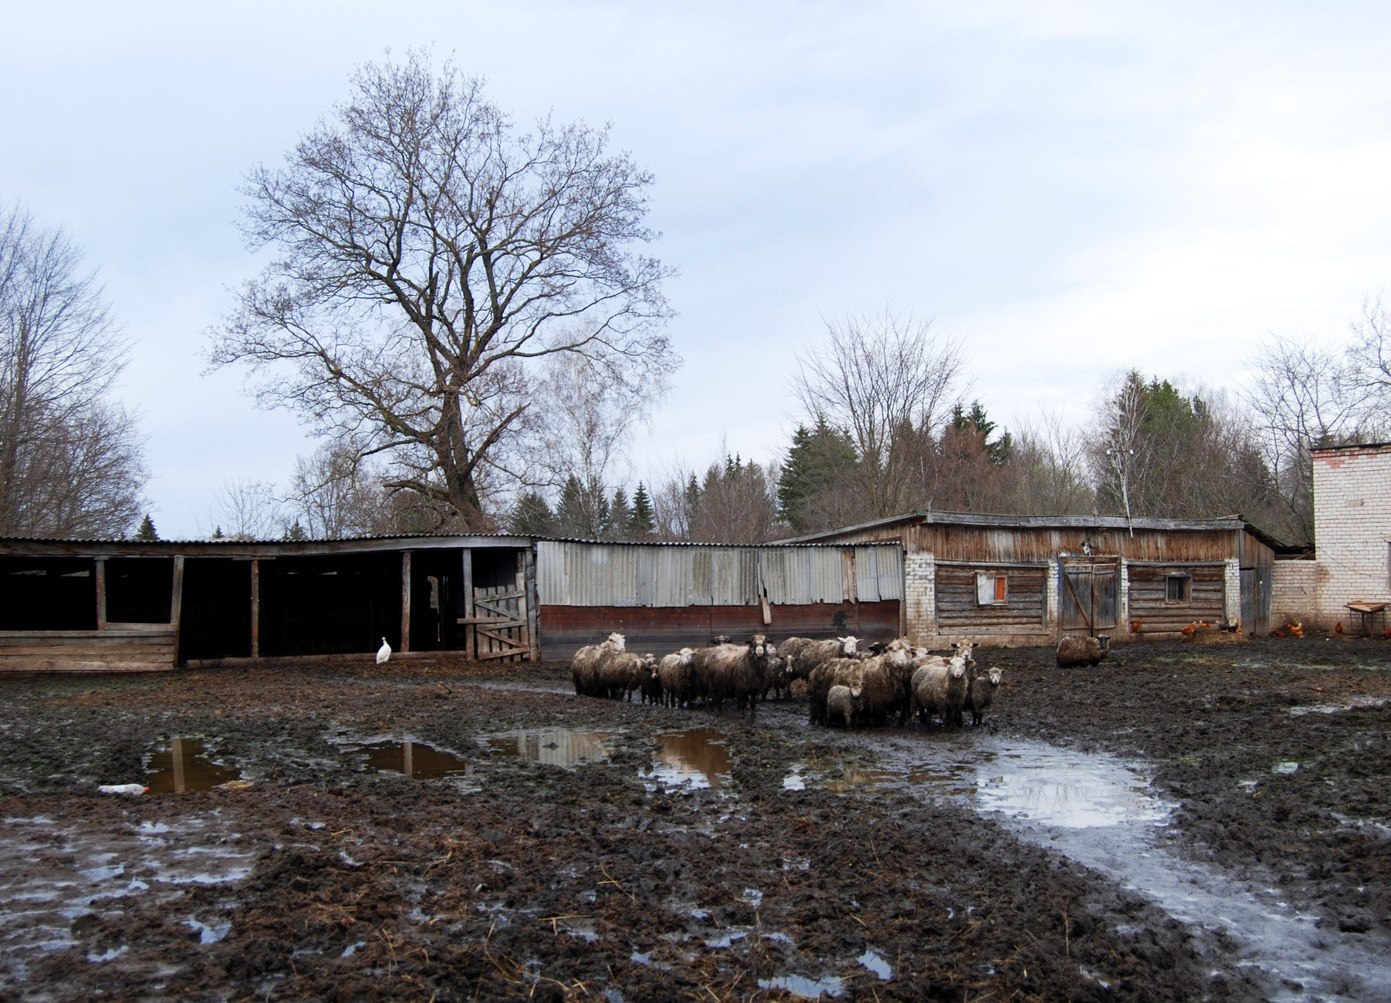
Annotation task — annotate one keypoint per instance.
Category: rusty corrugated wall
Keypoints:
(577, 573)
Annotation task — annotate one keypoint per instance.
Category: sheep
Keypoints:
(939, 687)
(885, 677)
(844, 702)
(651, 683)
(584, 667)
(981, 693)
(1079, 649)
(803, 654)
(675, 674)
(733, 671)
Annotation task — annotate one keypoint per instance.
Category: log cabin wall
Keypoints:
(947, 555)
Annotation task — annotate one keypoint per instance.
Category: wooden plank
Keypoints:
(101, 593)
(470, 636)
(405, 600)
(255, 609)
(176, 602)
(533, 606)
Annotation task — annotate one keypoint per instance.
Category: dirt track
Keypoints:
(864, 865)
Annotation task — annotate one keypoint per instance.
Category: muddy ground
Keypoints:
(680, 854)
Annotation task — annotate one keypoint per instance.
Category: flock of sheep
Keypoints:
(844, 684)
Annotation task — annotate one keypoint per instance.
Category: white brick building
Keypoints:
(1352, 530)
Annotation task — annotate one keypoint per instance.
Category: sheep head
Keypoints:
(849, 645)
(617, 641)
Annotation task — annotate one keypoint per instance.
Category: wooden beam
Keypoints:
(531, 605)
(255, 609)
(176, 602)
(470, 634)
(101, 593)
(405, 600)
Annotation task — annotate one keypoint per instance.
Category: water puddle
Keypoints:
(875, 963)
(54, 873)
(182, 764)
(411, 759)
(1352, 703)
(800, 985)
(1064, 788)
(697, 758)
(556, 746)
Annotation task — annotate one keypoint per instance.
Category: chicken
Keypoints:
(1135, 625)
(1277, 632)
(1296, 630)
(1338, 627)
(1189, 630)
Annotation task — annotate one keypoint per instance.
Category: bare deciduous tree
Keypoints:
(334, 495)
(428, 255)
(247, 510)
(1049, 469)
(890, 382)
(70, 457)
(1306, 393)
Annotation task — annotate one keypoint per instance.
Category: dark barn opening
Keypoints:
(495, 568)
(436, 600)
(48, 593)
(139, 589)
(330, 605)
(215, 621)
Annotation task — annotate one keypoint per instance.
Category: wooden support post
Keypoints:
(101, 593)
(255, 608)
(531, 604)
(470, 628)
(176, 602)
(405, 601)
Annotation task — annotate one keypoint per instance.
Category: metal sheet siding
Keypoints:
(572, 573)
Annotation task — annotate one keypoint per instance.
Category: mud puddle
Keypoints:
(57, 877)
(178, 765)
(697, 758)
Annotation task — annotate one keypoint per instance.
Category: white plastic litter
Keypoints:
(123, 788)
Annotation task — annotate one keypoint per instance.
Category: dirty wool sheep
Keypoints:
(939, 688)
(803, 654)
(981, 693)
(844, 703)
(622, 672)
(1079, 649)
(886, 680)
(675, 674)
(733, 672)
(585, 666)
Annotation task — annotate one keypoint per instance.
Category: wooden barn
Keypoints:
(1007, 579)
(666, 596)
(123, 605)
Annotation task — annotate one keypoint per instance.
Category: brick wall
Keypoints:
(1352, 529)
(920, 597)
(1293, 594)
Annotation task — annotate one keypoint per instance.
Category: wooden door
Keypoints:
(1087, 595)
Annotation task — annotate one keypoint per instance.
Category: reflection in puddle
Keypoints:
(182, 765)
(695, 758)
(1060, 787)
(556, 746)
(414, 759)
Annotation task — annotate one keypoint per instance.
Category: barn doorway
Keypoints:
(1087, 594)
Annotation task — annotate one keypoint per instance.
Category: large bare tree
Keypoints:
(70, 456)
(889, 381)
(427, 253)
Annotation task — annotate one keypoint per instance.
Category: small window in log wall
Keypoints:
(991, 589)
(1179, 588)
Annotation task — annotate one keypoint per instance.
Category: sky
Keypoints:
(1073, 189)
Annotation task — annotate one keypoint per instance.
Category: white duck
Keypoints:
(384, 652)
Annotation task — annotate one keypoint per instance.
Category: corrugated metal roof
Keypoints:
(1018, 522)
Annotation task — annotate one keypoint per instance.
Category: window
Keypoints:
(1178, 588)
(991, 588)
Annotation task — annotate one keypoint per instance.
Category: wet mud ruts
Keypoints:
(326, 872)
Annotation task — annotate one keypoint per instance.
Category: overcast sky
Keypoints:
(1073, 188)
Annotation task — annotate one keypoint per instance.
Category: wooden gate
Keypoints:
(498, 627)
(1087, 594)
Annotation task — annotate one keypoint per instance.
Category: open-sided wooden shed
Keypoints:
(124, 605)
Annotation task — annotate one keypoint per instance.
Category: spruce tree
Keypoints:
(146, 531)
(643, 520)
